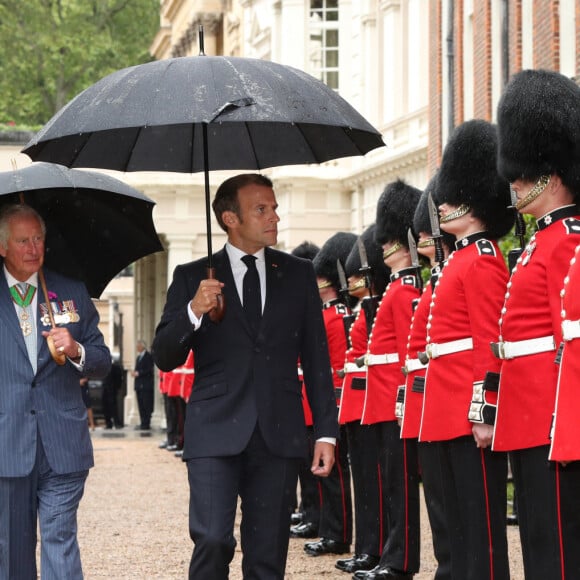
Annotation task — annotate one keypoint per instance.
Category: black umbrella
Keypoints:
(190, 114)
(96, 225)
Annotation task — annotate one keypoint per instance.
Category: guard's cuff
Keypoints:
(481, 409)
(400, 402)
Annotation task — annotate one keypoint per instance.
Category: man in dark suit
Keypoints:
(245, 432)
(45, 446)
(143, 375)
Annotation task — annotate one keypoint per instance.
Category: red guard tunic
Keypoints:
(566, 431)
(388, 345)
(465, 305)
(413, 401)
(527, 390)
(354, 384)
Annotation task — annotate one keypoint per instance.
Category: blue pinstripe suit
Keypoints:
(45, 446)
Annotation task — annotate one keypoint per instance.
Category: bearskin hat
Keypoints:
(306, 250)
(395, 211)
(538, 119)
(335, 248)
(468, 175)
(379, 272)
(421, 221)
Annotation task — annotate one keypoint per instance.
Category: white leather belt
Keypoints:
(508, 350)
(570, 329)
(435, 350)
(353, 368)
(382, 359)
(414, 364)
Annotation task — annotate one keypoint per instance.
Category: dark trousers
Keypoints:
(401, 498)
(145, 404)
(370, 513)
(175, 417)
(310, 485)
(548, 514)
(52, 499)
(110, 408)
(475, 494)
(430, 468)
(265, 484)
(336, 509)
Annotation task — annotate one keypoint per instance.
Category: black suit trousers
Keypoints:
(266, 485)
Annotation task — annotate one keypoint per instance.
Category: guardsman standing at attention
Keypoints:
(335, 527)
(565, 445)
(410, 399)
(305, 520)
(467, 299)
(539, 153)
(384, 359)
(366, 281)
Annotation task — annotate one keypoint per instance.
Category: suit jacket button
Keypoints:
(257, 349)
(33, 412)
(33, 384)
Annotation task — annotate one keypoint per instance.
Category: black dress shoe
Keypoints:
(304, 530)
(296, 518)
(325, 546)
(382, 573)
(172, 447)
(163, 444)
(357, 562)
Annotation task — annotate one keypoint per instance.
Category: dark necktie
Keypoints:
(252, 294)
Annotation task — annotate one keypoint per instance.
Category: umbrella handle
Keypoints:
(58, 357)
(216, 314)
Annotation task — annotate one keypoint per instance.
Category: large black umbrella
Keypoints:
(190, 114)
(96, 225)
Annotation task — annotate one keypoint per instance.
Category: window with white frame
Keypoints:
(323, 41)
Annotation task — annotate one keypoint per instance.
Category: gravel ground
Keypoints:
(133, 518)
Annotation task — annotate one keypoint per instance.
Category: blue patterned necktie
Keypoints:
(27, 322)
(252, 295)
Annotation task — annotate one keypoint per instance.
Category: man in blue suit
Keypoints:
(45, 446)
(245, 433)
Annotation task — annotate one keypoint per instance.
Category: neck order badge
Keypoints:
(22, 294)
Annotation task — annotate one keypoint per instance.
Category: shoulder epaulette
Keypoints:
(411, 281)
(572, 225)
(485, 248)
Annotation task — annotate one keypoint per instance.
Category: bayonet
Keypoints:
(413, 249)
(414, 255)
(435, 229)
(520, 232)
(365, 269)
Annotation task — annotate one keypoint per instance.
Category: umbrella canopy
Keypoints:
(96, 225)
(151, 117)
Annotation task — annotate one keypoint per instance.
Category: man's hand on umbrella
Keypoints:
(206, 297)
(63, 341)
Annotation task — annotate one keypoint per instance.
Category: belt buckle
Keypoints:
(498, 349)
(429, 350)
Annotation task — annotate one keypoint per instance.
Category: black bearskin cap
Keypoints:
(379, 272)
(421, 221)
(306, 250)
(538, 118)
(335, 248)
(468, 175)
(395, 211)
